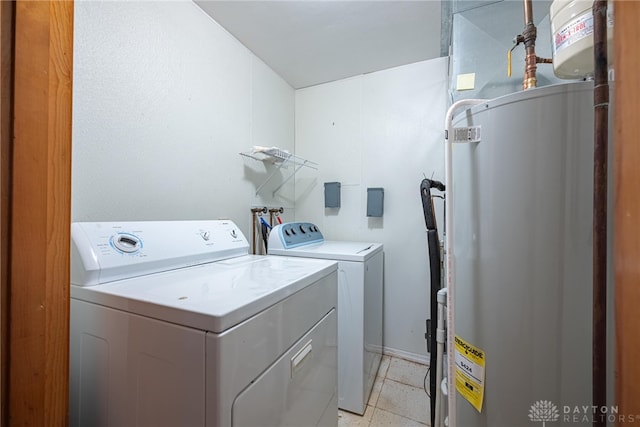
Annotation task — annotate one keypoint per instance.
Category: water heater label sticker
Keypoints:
(573, 32)
(470, 362)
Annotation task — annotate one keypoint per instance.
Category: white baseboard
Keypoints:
(412, 357)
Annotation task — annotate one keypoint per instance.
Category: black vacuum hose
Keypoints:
(433, 243)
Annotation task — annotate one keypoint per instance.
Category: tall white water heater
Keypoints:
(523, 256)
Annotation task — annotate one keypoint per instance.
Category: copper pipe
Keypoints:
(528, 12)
(528, 37)
(253, 230)
(601, 134)
(274, 212)
(255, 212)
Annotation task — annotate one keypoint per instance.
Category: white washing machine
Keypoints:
(173, 324)
(360, 293)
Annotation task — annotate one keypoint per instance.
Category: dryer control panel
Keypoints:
(106, 251)
(293, 234)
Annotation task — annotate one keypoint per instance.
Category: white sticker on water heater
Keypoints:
(467, 134)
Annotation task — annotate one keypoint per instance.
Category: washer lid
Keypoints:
(334, 250)
(211, 297)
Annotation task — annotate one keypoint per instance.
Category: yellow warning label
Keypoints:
(470, 372)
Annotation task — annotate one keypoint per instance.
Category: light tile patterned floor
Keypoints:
(398, 398)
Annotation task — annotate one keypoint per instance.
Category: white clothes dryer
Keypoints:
(173, 324)
(360, 304)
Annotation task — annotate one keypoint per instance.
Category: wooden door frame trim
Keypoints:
(627, 209)
(7, 10)
(41, 214)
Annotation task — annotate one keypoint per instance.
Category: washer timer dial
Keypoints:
(126, 243)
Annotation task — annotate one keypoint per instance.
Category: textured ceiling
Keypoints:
(311, 42)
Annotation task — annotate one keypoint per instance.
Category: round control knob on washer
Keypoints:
(293, 232)
(126, 243)
(205, 235)
(302, 229)
(287, 232)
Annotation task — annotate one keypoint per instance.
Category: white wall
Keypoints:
(383, 129)
(164, 100)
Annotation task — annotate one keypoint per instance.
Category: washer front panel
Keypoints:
(107, 251)
(304, 239)
(295, 234)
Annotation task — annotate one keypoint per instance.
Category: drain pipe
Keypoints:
(601, 134)
(449, 138)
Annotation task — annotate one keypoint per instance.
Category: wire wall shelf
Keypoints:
(282, 159)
